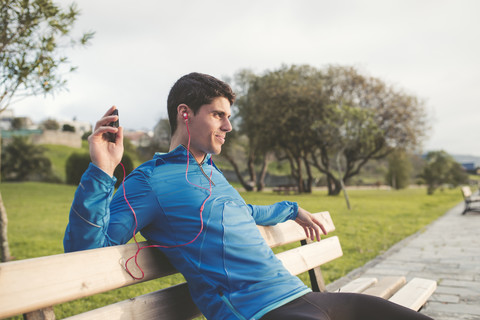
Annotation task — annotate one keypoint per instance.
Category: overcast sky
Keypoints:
(429, 48)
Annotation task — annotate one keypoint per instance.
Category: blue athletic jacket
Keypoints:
(231, 271)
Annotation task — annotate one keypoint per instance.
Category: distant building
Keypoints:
(138, 138)
(6, 119)
(80, 126)
(469, 166)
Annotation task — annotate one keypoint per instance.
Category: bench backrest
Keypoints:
(466, 191)
(32, 284)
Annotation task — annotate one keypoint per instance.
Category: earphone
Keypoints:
(185, 116)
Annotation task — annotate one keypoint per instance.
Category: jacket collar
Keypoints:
(179, 154)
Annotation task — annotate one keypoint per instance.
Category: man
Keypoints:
(182, 204)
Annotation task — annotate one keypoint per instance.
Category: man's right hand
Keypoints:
(104, 154)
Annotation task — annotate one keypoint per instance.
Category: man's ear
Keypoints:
(183, 112)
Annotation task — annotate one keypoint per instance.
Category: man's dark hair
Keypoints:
(195, 90)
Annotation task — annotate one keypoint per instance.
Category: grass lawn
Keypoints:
(59, 154)
(38, 214)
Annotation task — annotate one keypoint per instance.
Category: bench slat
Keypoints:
(466, 192)
(170, 303)
(309, 256)
(46, 281)
(415, 293)
(386, 287)
(358, 285)
(290, 231)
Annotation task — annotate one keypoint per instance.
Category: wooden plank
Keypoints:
(415, 293)
(386, 287)
(316, 278)
(290, 231)
(167, 304)
(306, 257)
(466, 192)
(358, 285)
(32, 284)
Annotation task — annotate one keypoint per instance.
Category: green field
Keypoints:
(38, 214)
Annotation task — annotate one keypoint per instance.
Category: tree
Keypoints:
(50, 124)
(68, 128)
(399, 169)
(440, 169)
(19, 123)
(334, 119)
(245, 129)
(33, 36)
(274, 111)
(372, 120)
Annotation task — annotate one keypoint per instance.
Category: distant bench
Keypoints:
(33, 286)
(286, 189)
(470, 200)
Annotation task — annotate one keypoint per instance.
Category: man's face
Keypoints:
(209, 127)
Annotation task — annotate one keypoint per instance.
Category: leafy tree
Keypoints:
(274, 110)
(399, 169)
(68, 128)
(374, 119)
(234, 151)
(440, 169)
(19, 123)
(334, 119)
(22, 161)
(33, 36)
(249, 122)
(50, 124)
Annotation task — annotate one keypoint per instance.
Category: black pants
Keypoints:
(342, 306)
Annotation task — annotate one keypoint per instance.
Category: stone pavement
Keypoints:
(448, 251)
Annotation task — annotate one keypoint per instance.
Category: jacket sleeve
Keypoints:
(99, 219)
(275, 213)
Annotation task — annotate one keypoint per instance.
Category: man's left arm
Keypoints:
(287, 210)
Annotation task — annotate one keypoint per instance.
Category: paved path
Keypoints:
(448, 251)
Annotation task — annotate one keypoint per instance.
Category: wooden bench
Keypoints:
(33, 286)
(286, 189)
(470, 200)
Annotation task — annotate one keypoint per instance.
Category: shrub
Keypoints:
(77, 163)
(24, 161)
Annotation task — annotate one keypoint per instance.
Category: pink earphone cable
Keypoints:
(139, 248)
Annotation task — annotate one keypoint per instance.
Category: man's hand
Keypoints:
(104, 154)
(310, 224)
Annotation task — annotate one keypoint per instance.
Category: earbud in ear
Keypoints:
(185, 116)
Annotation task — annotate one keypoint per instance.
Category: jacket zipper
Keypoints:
(201, 168)
(208, 178)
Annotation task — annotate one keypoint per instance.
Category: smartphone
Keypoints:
(112, 137)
